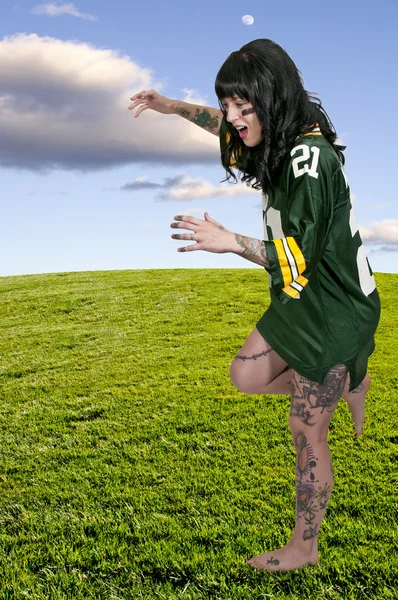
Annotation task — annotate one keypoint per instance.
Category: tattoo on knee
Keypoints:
(253, 356)
(310, 499)
(309, 395)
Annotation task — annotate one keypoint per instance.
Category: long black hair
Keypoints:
(262, 73)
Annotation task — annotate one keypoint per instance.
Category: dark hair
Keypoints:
(262, 73)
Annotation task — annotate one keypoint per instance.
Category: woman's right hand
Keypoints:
(151, 99)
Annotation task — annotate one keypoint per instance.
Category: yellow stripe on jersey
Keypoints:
(298, 255)
(302, 280)
(283, 262)
(290, 291)
(312, 133)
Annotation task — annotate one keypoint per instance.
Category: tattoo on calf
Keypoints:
(254, 356)
(323, 495)
(309, 395)
(305, 457)
(310, 500)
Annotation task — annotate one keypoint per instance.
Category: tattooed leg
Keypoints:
(356, 402)
(253, 356)
(312, 408)
(257, 366)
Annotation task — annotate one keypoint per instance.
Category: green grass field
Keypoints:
(132, 469)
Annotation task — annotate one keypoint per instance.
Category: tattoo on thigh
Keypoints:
(253, 356)
(307, 396)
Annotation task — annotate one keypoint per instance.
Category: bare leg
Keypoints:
(356, 402)
(312, 408)
(282, 384)
(258, 369)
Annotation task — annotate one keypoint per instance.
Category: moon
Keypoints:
(247, 20)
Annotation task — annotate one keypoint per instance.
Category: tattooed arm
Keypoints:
(204, 116)
(252, 249)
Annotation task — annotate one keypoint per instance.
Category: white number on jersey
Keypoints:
(305, 158)
(366, 280)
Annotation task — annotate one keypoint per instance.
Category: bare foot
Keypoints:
(283, 559)
(356, 403)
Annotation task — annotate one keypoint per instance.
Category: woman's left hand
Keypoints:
(209, 234)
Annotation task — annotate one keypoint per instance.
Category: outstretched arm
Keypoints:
(204, 116)
(211, 236)
(252, 249)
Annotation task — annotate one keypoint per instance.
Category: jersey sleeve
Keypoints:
(292, 259)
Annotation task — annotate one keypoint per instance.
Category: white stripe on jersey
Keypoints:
(296, 286)
(291, 260)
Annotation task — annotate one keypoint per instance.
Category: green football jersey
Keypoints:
(324, 304)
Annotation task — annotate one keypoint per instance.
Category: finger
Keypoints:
(133, 106)
(138, 102)
(139, 95)
(210, 219)
(189, 248)
(183, 236)
(188, 219)
(141, 108)
(184, 225)
(213, 221)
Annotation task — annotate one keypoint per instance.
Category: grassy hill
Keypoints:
(131, 468)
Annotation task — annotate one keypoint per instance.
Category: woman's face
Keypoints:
(240, 113)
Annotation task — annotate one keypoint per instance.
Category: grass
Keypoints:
(132, 469)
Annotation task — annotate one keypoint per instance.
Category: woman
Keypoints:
(314, 340)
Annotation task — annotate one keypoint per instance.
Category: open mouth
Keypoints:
(243, 131)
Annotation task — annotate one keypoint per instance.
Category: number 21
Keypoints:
(304, 158)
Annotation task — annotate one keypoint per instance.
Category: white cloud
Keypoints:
(55, 9)
(64, 104)
(180, 188)
(380, 232)
(195, 188)
(193, 97)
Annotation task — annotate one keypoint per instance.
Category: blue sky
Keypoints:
(69, 148)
